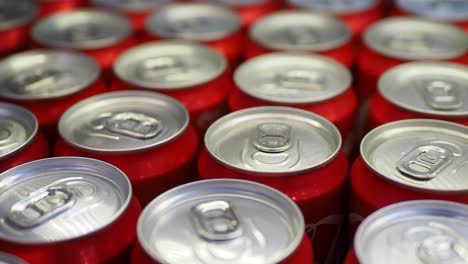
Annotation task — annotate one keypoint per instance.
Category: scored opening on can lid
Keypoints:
(10, 259)
(81, 29)
(46, 74)
(193, 21)
(299, 30)
(221, 221)
(17, 13)
(273, 141)
(292, 78)
(123, 122)
(340, 7)
(415, 232)
(131, 6)
(434, 88)
(169, 65)
(422, 154)
(453, 10)
(237, 3)
(60, 199)
(416, 39)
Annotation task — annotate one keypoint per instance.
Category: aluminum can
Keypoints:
(436, 90)
(146, 135)
(416, 232)
(292, 150)
(195, 75)
(310, 82)
(67, 210)
(395, 41)
(10, 259)
(47, 82)
(409, 160)
(49, 7)
(16, 18)
(222, 221)
(455, 12)
(99, 34)
(213, 25)
(301, 31)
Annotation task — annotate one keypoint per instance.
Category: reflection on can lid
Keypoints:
(81, 29)
(10, 259)
(415, 232)
(297, 30)
(122, 122)
(16, 13)
(435, 88)
(46, 74)
(60, 199)
(131, 5)
(423, 154)
(221, 221)
(169, 65)
(416, 39)
(292, 78)
(197, 21)
(448, 10)
(272, 141)
(237, 3)
(335, 6)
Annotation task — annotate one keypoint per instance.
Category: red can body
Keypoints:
(14, 39)
(250, 13)
(396, 11)
(351, 258)
(48, 7)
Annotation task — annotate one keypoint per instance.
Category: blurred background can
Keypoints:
(49, 7)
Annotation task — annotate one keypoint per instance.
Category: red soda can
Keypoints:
(310, 82)
(16, 18)
(195, 75)
(416, 232)
(20, 138)
(455, 11)
(301, 31)
(409, 160)
(48, 7)
(146, 135)
(213, 25)
(421, 90)
(292, 150)
(395, 41)
(10, 259)
(67, 210)
(101, 35)
(47, 82)
(222, 221)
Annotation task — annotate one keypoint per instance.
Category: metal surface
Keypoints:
(335, 6)
(16, 13)
(131, 5)
(237, 3)
(448, 10)
(10, 259)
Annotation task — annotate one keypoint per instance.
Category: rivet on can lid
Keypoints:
(416, 39)
(415, 232)
(130, 5)
(335, 6)
(16, 13)
(46, 74)
(10, 259)
(292, 78)
(422, 154)
(433, 88)
(60, 199)
(123, 122)
(300, 31)
(451, 10)
(273, 141)
(236, 3)
(81, 29)
(169, 65)
(221, 221)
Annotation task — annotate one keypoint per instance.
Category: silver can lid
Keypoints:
(82, 29)
(169, 65)
(335, 6)
(434, 88)
(193, 21)
(415, 232)
(237, 3)
(17, 13)
(10, 259)
(416, 39)
(422, 154)
(131, 5)
(46, 74)
(60, 199)
(292, 78)
(447, 10)
(221, 221)
(299, 30)
(123, 122)
(273, 141)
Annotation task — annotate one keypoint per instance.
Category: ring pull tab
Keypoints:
(36, 81)
(415, 42)
(82, 32)
(193, 25)
(442, 95)
(273, 138)
(167, 68)
(301, 80)
(447, 4)
(216, 221)
(302, 35)
(135, 125)
(423, 163)
(41, 206)
(443, 249)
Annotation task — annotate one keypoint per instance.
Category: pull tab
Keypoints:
(302, 35)
(415, 42)
(194, 25)
(216, 221)
(136, 125)
(443, 249)
(423, 163)
(41, 206)
(338, 3)
(447, 4)
(301, 80)
(273, 138)
(83, 32)
(170, 69)
(36, 82)
(442, 95)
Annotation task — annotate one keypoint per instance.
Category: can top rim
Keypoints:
(426, 9)
(339, 10)
(130, 6)
(10, 259)
(29, 11)
(237, 3)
